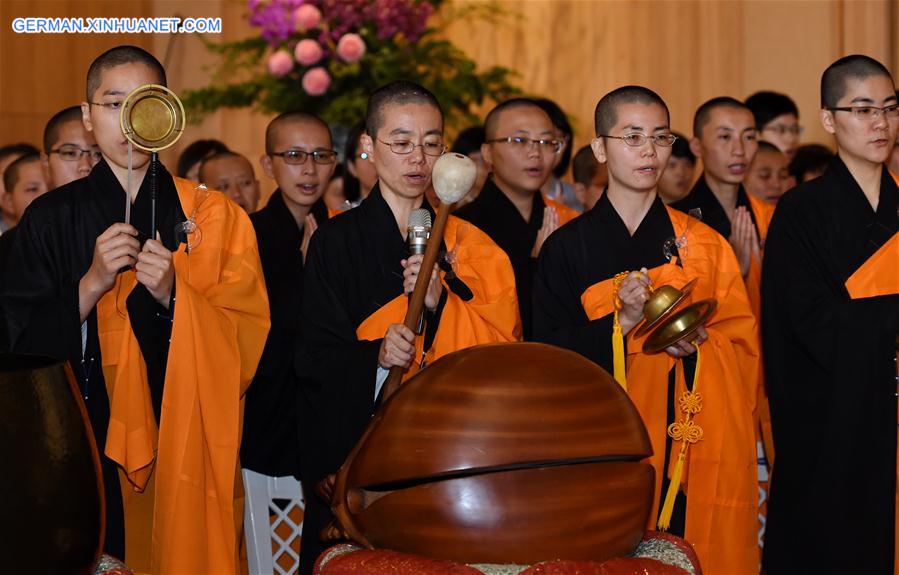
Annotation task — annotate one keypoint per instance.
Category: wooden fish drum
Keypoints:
(51, 493)
(507, 453)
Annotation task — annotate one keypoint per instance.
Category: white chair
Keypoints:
(266, 549)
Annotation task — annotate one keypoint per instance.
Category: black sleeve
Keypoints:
(559, 317)
(152, 326)
(40, 300)
(337, 371)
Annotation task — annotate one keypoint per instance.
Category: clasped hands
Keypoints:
(398, 345)
(634, 291)
(118, 248)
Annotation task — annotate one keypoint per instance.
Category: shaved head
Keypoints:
(838, 74)
(288, 119)
(492, 120)
(606, 114)
(396, 93)
(116, 57)
(701, 118)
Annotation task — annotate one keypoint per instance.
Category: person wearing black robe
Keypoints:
(53, 251)
(358, 272)
(606, 260)
(521, 148)
(726, 138)
(269, 443)
(830, 360)
(283, 229)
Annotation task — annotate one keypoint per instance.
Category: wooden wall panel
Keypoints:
(571, 50)
(41, 74)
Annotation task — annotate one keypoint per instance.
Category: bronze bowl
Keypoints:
(51, 490)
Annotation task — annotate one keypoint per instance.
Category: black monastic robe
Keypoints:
(269, 444)
(352, 270)
(498, 217)
(352, 291)
(713, 213)
(53, 250)
(830, 366)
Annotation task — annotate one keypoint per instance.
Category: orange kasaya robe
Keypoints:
(719, 478)
(879, 276)
(219, 327)
(491, 316)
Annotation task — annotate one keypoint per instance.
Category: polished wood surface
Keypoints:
(51, 493)
(518, 444)
(587, 512)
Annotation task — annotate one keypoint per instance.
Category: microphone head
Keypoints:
(418, 230)
(453, 176)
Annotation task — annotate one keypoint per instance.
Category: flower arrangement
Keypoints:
(326, 56)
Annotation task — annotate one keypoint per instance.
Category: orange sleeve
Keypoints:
(220, 323)
(565, 213)
(879, 275)
(491, 315)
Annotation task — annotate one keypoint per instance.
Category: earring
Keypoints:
(363, 156)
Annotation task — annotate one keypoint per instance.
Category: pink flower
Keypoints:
(350, 47)
(307, 52)
(307, 17)
(280, 63)
(316, 81)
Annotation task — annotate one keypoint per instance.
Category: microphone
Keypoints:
(418, 230)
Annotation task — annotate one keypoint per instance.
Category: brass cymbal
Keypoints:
(152, 117)
(663, 301)
(680, 326)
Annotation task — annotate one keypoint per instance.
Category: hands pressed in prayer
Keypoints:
(411, 268)
(633, 292)
(744, 239)
(550, 224)
(397, 347)
(155, 270)
(686, 347)
(116, 248)
(309, 227)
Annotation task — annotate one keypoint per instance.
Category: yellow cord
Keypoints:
(686, 431)
(619, 371)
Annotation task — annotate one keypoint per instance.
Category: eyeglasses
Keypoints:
(71, 153)
(522, 143)
(870, 112)
(295, 157)
(404, 147)
(782, 130)
(637, 139)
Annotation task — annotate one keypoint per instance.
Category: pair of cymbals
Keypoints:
(668, 324)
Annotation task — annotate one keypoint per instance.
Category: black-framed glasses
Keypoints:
(522, 143)
(72, 153)
(404, 147)
(637, 139)
(295, 157)
(869, 112)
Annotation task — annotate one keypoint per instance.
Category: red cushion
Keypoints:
(656, 548)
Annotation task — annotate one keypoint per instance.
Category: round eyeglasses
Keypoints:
(404, 147)
(636, 139)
